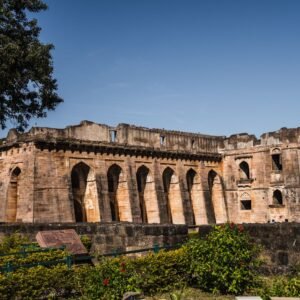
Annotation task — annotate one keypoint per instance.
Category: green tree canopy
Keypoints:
(27, 86)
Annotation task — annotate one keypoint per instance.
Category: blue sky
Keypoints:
(215, 67)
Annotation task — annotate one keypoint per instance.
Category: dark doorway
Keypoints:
(79, 177)
(190, 179)
(13, 195)
(141, 177)
(113, 176)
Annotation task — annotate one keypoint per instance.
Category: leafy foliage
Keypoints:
(108, 280)
(279, 286)
(86, 241)
(37, 282)
(151, 273)
(225, 262)
(13, 243)
(27, 88)
(13, 251)
(163, 271)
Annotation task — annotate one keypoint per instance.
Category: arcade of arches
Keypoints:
(198, 210)
(98, 173)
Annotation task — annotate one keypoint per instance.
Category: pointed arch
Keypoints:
(277, 197)
(13, 195)
(191, 180)
(174, 207)
(147, 196)
(217, 213)
(244, 171)
(118, 194)
(85, 195)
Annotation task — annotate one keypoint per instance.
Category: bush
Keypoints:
(12, 247)
(108, 280)
(151, 273)
(226, 261)
(86, 241)
(279, 286)
(13, 243)
(37, 282)
(163, 271)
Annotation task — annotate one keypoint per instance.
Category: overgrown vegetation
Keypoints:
(38, 282)
(224, 263)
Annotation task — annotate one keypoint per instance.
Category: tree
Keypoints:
(27, 86)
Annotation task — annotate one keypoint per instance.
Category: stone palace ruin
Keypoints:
(97, 173)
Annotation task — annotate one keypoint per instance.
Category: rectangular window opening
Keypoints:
(193, 144)
(113, 135)
(246, 205)
(276, 162)
(162, 140)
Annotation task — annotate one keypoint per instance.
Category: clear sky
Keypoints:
(215, 67)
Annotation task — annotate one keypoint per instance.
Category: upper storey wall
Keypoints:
(133, 136)
(127, 135)
(167, 140)
(244, 140)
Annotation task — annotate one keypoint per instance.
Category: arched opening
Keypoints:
(174, 207)
(244, 171)
(216, 208)
(85, 196)
(113, 175)
(211, 217)
(167, 176)
(13, 195)
(141, 177)
(147, 196)
(277, 197)
(118, 194)
(276, 160)
(190, 179)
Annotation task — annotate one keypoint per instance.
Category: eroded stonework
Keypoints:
(97, 173)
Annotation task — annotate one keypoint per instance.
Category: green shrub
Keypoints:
(13, 243)
(86, 241)
(279, 286)
(151, 273)
(13, 251)
(162, 272)
(108, 280)
(37, 282)
(226, 261)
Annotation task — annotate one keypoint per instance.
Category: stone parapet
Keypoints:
(108, 237)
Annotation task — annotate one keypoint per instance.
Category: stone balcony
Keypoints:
(244, 182)
(276, 178)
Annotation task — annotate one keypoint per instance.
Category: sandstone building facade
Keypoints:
(97, 173)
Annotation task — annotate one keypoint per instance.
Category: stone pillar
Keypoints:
(161, 199)
(133, 190)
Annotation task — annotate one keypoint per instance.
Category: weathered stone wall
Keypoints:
(280, 244)
(53, 187)
(139, 175)
(110, 236)
(264, 179)
(280, 241)
(94, 172)
(125, 134)
(21, 158)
